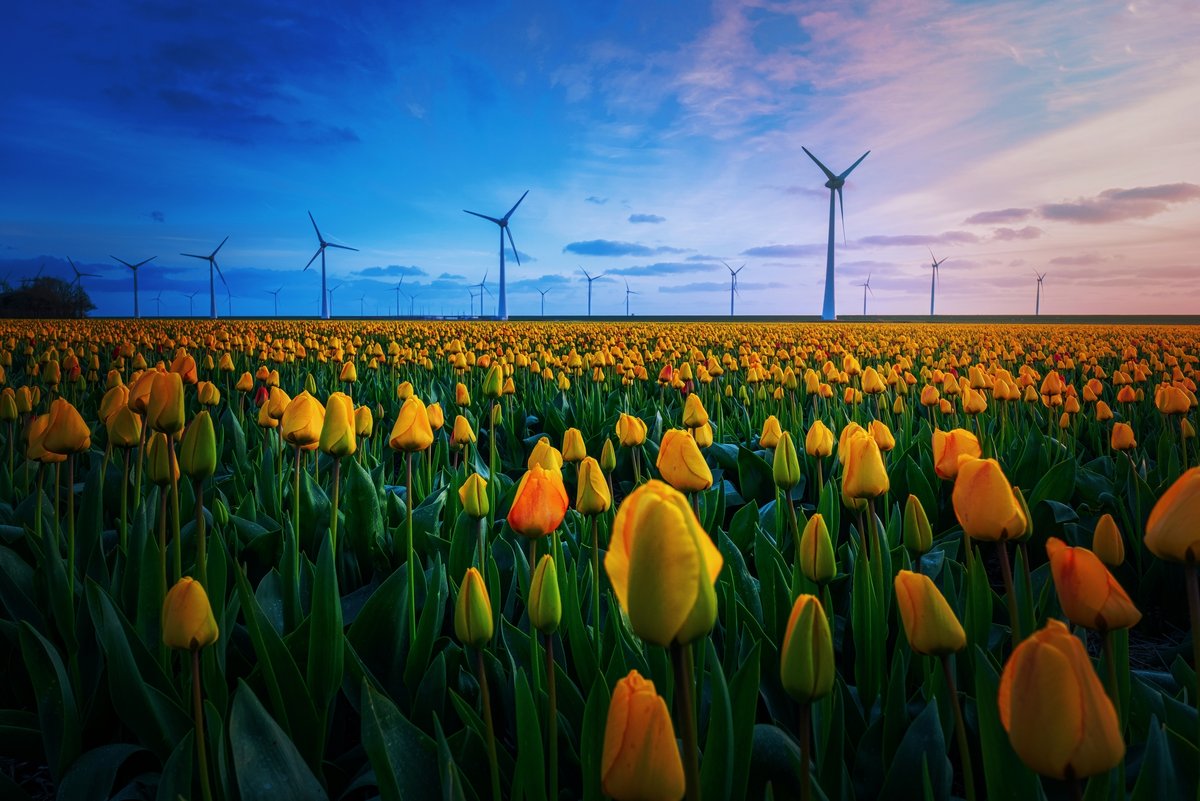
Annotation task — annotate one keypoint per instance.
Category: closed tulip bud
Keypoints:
(198, 450)
(945, 406)
(882, 435)
(872, 383)
(1058, 717)
(52, 375)
(473, 621)
(1122, 438)
(545, 454)
(405, 390)
(1103, 412)
(694, 414)
(474, 496)
(265, 420)
(591, 495)
(208, 394)
(461, 434)
(245, 383)
(640, 761)
(302, 420)
(704, 435)
(124, 428)
(493, 382)
(929, 622)
(164, 410)
(497, 414)
(573, 449)
(806, 667)
(662, 566)
(349, 373)
(364, 421)
(159, 467)
(974, 402)
(898, 405)
(948, 446)
(1171, 530)
(187, 618)
(1107, 542)
(34, 448)
(864, 475)
(437, 418)
(66, 433)
(785, 467)
(185, 367)
(412, 431)
(338, 437)
(771, 431)
(817, 559)
(24, 400)
(918, 534)
(115, 398)
(930, 396)
(1186, 430)
(545, 602)
(1087, 592)
(1170, 399)
(819, 440)
(225, 365)
(540, 503)
(849, 432)
(681, 464)
(631, 430)
(984, 502)
(220, 513)
(278, 401)
(608, 457)
(8, 405)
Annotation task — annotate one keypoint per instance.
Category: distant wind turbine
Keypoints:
(483, 288)
(628, 292)
(502, 312)
(321, 245)
(212, 265)
(835, 184)
(471, 308)
(866, 285)
(191, 306)
(412, 298)
(733, 279)
(543, 292)
(158, 305)
(590, 279)
(275, 294)
(398, 295)
(134, 267)
(78, 275)
(328, 311)
(362, 305)
(935, 278)
(1037, 309)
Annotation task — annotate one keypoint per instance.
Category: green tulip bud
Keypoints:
(786, 465)
(918, 536)
(545, 603)
(817, 560)
(198, 451)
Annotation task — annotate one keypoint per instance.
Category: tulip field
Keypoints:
(284, 559)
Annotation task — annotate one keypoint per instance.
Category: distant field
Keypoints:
(1018, 319)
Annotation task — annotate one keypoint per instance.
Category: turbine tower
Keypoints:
(543, 294)
(212, 287)
(628, 292)
(191, 303)
(362, 305)
(398, 295)
(275, 293)
(590, 279)
(329, 309)
(502, 312)
(134, 267)
(733, 290)
(158, 305)
(866, 285)
(321, 245)
(935, 278)
(78, 275)
(835, 184)
(412, 298)
(482, 288)
(1037, 309)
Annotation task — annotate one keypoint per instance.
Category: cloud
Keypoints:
(1078, 261)
(785, 251)
(718, 286)
(1011, 234)
(599, 201)
(389, 271)
(904, 240)
(608, 247)
(157, 216)
(703, 257)
(1114, 205)
(660, 268)
(451, 277)
(998, 216)
(801, 191)
(646, 218)
(523, 257)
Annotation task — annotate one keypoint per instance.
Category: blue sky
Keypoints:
(657, 140)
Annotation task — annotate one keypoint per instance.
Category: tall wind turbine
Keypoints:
(1037, 309)
(733, 290)
(590, 279)
(482, 288)
(398, 295)
(329, 309)
(78, 275)
(935, 278)
(134, 267)
(628, 292)
(275, 293)
(866, 285)
(321, 245)
(502, 312)
(835, 184)
(211, 258)
(543, 292)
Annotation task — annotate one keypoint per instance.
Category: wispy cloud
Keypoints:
(661, 268)
(1115, 205)
(999, 216)
(390, 271)
(608, 247)
(599, 201)
(1012, 234)
(784, 251)
(908, 240)
(646, 218)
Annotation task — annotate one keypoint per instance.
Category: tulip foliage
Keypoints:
(290, 559)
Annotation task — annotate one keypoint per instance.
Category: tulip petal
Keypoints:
(664, 574)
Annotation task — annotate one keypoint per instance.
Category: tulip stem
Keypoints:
(533, 643)
(681, 658)
(71, 525)
(201, 546)
(412, 571)
(552, 717)
(820, 480)
(485, 700)
(125, 502)
(596, 585)
(291, 598)
(198, 707)
(1193, 593)
(805, 750)
(333, 509)
(178, 545)
(1009, 591)
(960, 729)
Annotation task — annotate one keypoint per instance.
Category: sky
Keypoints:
(656, 139)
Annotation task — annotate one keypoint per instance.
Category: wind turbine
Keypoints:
(398, 295)
(502, 312)
(212, 265)
(321, 245)
(628, 292)
(590, 279)
(78, 275)
(733, 290)
(482, 288)
(935, 278)
(362, 305)
(835, 184)
(329, 309)
(134, 267)
(158, 305)
(543, 292)
(471, 308)
(191, 306)
(275, 294)
(412, 298)
(1037, 309)
(866, 285)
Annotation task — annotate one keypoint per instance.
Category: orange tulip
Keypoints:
(540, 503)
(1089, 595)
(929, 622)
(985, 503)
(1122, 438)
(640, 761)
(1171, 530)
(948, 446)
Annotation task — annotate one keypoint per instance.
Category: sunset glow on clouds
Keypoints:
(656, 140)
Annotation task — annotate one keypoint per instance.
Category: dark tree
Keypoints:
(44, 298)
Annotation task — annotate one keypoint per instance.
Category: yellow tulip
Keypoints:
(412, 431)
(681, 464)
(187, 618)
(591, 495)
(985, 503)
(640, 760)
(338, 435)
(929, 622)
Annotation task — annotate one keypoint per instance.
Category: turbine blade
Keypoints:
(320, 238)
(144, 261)
(127, 264)
(842, 206)
(514, 208)
(850, 169)
(223, 241)
(516, 255)
(828, 173)
(314, 258)
(223, 281)
(194, 256)
(484, 216)
(340, 247)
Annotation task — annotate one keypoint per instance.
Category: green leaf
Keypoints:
(325, 651)
(1004, 774)
(716, 770)
(93, 773)
(57, 713)
(591, 745)
(401, 755)
(744, 525)
(266, 762)
(364, 515)
(755, 479)
(530, 776)
(175, 781)
(923, 745)
(1058, 484)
